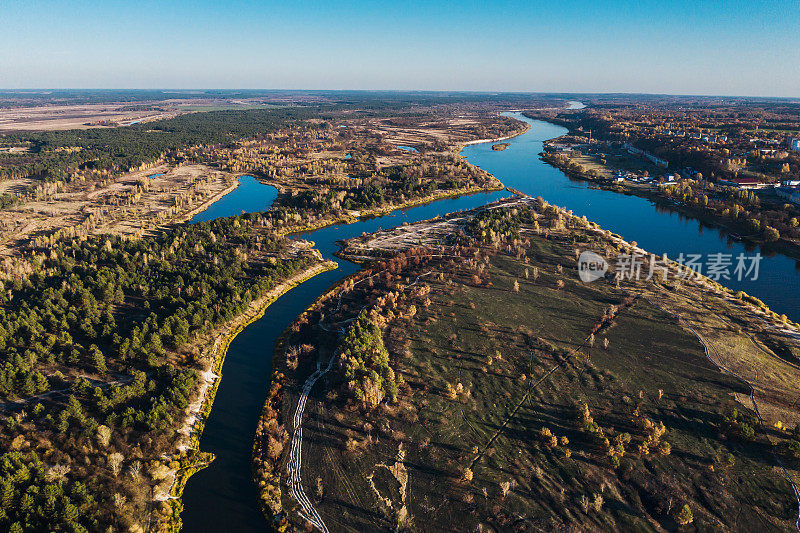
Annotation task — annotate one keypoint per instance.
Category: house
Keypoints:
(559, 147)
(795, 144)
(745, 183)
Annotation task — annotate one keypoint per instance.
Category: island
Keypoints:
(473, 378)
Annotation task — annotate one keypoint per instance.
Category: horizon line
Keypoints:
(402, 91)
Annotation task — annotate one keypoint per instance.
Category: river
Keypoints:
(222, 496)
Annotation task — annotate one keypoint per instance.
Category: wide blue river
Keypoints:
(223, 498)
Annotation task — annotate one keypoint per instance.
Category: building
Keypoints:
(795, 144)
(745, 183)
(555, 147)
(653, 159)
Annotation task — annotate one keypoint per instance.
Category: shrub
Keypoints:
(771, 234)
(684, 515)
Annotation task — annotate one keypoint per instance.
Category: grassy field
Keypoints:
(624, 162)
(538, 402)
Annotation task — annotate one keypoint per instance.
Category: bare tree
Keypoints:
(103, 435)
(115, 462)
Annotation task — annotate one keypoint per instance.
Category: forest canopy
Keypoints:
(57, 155)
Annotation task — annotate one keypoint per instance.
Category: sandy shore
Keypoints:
(496, 139)
(192, 427)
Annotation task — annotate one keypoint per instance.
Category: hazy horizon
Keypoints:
(209, 91)
(749, 49)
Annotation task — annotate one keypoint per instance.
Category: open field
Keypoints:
(57, 117)
(527, 399)
(131, 204)
(66, 116)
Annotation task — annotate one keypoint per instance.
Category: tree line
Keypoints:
(61, 155)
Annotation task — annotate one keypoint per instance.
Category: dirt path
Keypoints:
(296, 453)
(295, 480)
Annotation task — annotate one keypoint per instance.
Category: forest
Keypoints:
(364, 363)
(99, 364)
(59, 155)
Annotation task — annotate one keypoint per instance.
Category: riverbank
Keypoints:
(268, 454)
(787, 247)
(189, 460)
(386, 209)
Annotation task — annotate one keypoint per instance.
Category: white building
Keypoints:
(638, 151)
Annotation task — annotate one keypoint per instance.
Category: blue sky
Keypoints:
(679, 47)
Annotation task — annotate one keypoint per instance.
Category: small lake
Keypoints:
(408, 148)
(251, 196)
